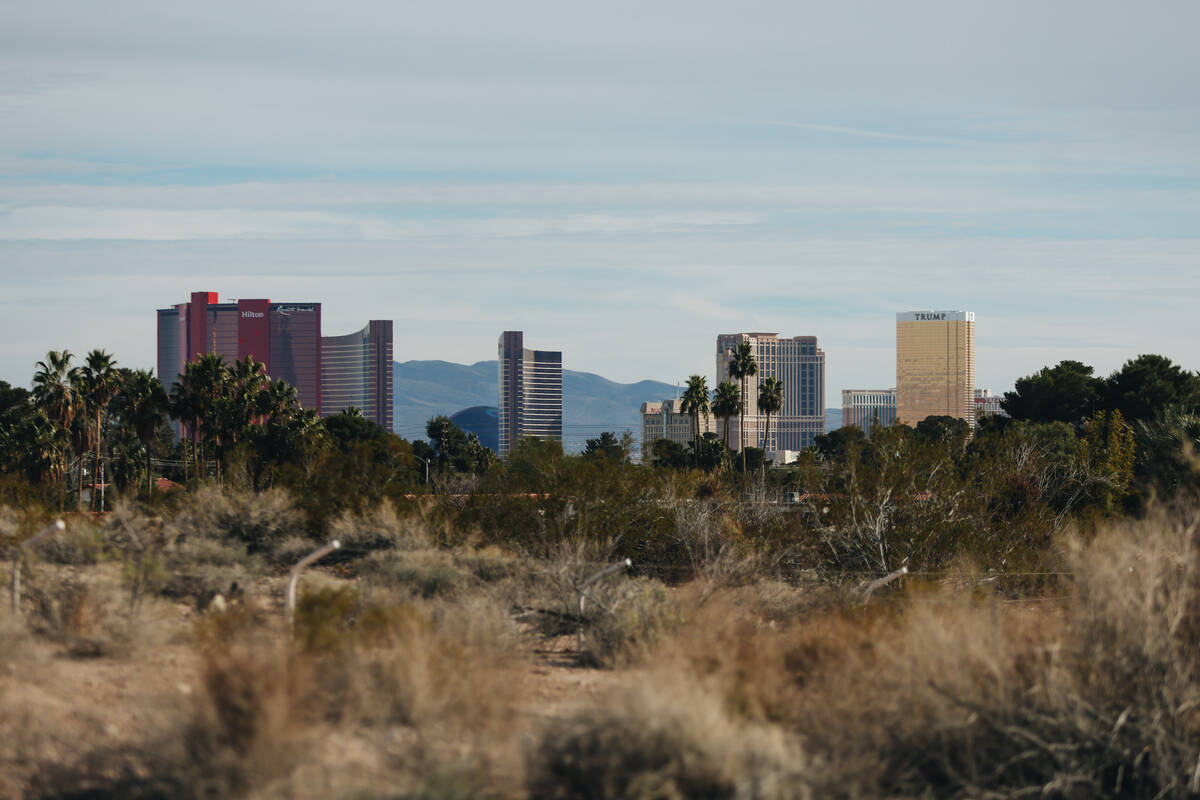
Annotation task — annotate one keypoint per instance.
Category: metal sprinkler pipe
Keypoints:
(53, 527)
(609, 570)
(884, 581)
(294, 576)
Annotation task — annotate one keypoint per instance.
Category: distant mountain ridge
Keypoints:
(591, 403)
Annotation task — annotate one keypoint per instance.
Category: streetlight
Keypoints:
(426, 463)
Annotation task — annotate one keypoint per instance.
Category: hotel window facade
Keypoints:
(285, 337)
(800, 365)
(666, 420)
(935, 365)
(530, 392)
(356, 371)
(864, 408)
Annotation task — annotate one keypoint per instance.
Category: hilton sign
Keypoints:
(252, 314)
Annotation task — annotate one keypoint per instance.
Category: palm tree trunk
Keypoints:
(742, 425)
(696, 439)
(725, 455)
(766, 437)
(96, 471)
(79, 493)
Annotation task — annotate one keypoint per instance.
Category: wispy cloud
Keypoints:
(868, 133)
(461, 169)
(160, 225)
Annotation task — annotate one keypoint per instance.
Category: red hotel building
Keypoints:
(286, 338)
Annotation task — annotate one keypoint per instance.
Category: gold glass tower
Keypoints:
(935, 365)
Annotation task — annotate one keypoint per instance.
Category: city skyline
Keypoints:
(566, 173)
(329, 373)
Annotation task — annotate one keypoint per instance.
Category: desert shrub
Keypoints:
(626, 616)
(286, 553)
(77, 614)
(491, 564)
(427, 574)
(450, 665)
(955, 693)
(667, 740)
(381, 529)
(260, 521)
(323, 618)
(81, 544)
(243, 731)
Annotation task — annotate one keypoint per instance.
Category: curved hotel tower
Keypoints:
(356, 370)
(530, 392)
(329, 373)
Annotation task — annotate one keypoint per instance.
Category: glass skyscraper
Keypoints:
(800, 365)
(286, 338)
(356, 370)
(935, 365)
(530, 383)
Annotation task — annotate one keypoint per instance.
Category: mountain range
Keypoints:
(591, 403)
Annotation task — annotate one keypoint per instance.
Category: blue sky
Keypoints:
(623, 181)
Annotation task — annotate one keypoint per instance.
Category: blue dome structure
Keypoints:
(483, 421)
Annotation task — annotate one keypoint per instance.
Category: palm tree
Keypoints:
(143, 410)
(726, 402)
(54, 391)
(770, 400)
(239, 402)
(100, 381)
(741, 367)
(278, 402)
(695, 403)
(195, 401)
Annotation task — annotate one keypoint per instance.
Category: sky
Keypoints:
(622, 181)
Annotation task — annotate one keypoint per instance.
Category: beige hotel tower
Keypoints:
(935, 365)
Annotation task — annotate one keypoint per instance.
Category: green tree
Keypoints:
(942, 428)
(846, 441)
(350, 426)
(1107, 451)
(195, 401)
(100, 382)
(712, 452)
(278, 402)
(695, 403)
(742, 367)
(727, 402)
(770, 401)
(1147, 385)
(142, 410)
(606, 446)
(30, 442)
(666, 453)
(1063, 393)
(55, 390)
(1168, 454)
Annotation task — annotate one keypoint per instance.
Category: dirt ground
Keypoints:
(57, 703)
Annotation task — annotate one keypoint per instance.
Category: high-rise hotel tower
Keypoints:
(935, 365)
(329, 373)
(800, 365)
(530, 392)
